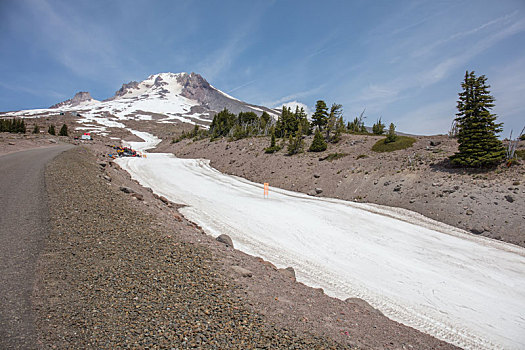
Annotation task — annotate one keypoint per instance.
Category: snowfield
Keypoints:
(465, 289)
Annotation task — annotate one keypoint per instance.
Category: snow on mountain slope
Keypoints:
(162, 98)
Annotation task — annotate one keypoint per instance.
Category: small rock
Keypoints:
(318, 190)
(469, 212)
(317, 176)
(477, 230)
(164, 200)
(516, 183)
(437, 184)
(397, 188)
(288, 272)
(412, 200)
(53, 141)
(11, 143)
(242, 271)
(107, 178)
(102, 164)
(386, 183)
(126, 189)
(225, 239)
(509, 198)
(311, 193)
(435, 143)
(138, 196)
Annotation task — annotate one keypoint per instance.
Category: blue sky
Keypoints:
(401, 60)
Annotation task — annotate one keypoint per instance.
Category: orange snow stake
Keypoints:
(266, 187)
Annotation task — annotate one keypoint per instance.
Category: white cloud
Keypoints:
(294, 104)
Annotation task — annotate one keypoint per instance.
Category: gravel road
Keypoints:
(23, 229)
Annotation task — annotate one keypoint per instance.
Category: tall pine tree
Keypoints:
(477, 127)
(320, 117)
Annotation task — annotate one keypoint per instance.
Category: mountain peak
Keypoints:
(79, 98)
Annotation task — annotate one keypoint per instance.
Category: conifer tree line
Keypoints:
(17, 125)
(14, 125)
(327, 125)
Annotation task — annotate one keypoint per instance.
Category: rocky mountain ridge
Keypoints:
(79, 98)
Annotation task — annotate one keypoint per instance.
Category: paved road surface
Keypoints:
(23, 228)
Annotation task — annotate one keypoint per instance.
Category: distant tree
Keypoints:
(320, 117)
(273, 147)
(295, 143)
(51, 130)
(245, 118)
(378, 128)
(391, 136)
(336, 111)
(63, 130)
(479, 145)
(222, 123)
(264, 120)
(318, 144)
(358, 124)
(339, 129)
(36, 129)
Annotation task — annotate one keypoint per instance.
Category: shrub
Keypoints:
(334, 156)
(318, 144)
(520, 154)
(36, 129)
(401, 142)
(51, 130)
(361, 156)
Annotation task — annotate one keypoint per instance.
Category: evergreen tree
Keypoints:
(51, 130)
(320, 117)
(273, 147)
(36, 129)
(358, 124)
(477, 127)
(378, 128)
(264, 120)
(222, 123)
(391, 136)
(63, 130)
(296, 143)
(318, 144)
(336, 111)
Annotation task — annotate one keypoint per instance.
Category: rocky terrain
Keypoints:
(131, 272)
(489, 203)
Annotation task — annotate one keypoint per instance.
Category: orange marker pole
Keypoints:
(266, 188)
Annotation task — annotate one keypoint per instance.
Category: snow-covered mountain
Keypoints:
(162, 98)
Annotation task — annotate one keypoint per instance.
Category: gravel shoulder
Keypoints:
(124, 269)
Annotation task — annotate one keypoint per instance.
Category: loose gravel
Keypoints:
(109, 277)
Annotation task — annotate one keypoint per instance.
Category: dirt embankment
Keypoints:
(489, 203)
(123, 269)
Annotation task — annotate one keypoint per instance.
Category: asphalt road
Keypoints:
(23, 229)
